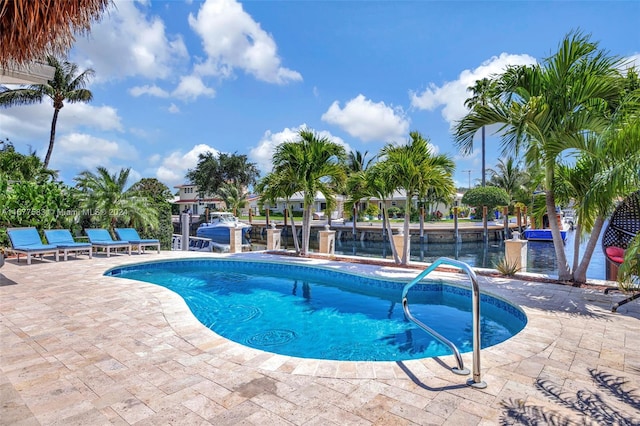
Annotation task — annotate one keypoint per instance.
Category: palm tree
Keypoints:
(416, 169)
(107, 203)
(603, 173)
(20, 167)
(317, 165)
(547, 109)
(373, 183)
(68, 85)
(233, 196)
(280, 185)
(509, 176)
(483, 91)
(357, 161)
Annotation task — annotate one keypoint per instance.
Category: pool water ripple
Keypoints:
(272, 338)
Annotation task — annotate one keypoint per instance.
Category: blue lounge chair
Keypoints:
(101, 238)
(27, 241)
(131, 235)
(63, 239)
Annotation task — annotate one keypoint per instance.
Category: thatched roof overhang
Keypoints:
(32, 29)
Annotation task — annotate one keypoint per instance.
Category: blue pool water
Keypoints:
(314, 312)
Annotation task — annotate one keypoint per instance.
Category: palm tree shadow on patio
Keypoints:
(590, 407)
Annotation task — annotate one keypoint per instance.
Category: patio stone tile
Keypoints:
(327, 369)
(342, 417)
(444, 404)
(273, 362)
(203, 406)
(385, 370)
(80, 348)
(462, 418)
(132, 410)
(365, 370)
(340, 385)
(283, 409)
(320, 421)
(387, 418)
(236, 415)
(177, 415)
(416, 415)
(90, 417)
(374, 409)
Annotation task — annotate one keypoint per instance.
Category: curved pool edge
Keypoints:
(402, 275)
(185, 324)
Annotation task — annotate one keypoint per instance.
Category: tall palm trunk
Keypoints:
(580, 273)
(387, 224)
(576, 247)
(294, 232)
(564, 273)
(52, 137)
(306, 229)
(484, 163)
(407, 233)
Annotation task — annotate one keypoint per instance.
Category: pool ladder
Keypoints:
(476, 381)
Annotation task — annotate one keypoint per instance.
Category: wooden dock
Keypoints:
(372, 231)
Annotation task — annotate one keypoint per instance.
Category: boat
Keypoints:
(544, 233)
(219, 226)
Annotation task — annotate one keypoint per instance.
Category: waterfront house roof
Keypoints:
(299, 196)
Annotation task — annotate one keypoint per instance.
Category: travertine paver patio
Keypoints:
(81, 348)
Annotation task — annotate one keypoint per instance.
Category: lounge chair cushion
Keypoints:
(616, 254)
(132, 236)
(102, 237)
(62, 238)
(27, 239)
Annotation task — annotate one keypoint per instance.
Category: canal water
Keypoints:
(541, 256)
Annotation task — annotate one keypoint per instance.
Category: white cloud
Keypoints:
(191, 87)
(173, 109)
(632, 61)
(126, 43)
(151, 90)
(452, 94)
(87, 152)
(262, 154)
(232, 39)
(33, 122)
(368, 121)
(154, 159)
(85, 115)
(174, 167)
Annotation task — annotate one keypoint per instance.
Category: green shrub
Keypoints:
(394, 211)
(372, 210)
(490, 196)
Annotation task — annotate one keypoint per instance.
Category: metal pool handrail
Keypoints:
(476, 381)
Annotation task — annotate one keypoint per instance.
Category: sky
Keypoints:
(174, 79)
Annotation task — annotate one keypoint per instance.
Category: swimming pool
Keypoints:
(319, 312)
